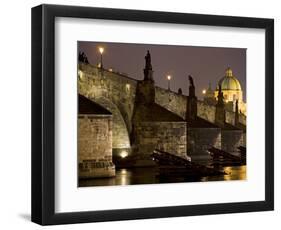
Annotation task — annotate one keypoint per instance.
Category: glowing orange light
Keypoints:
(124, 154)
(101, 49)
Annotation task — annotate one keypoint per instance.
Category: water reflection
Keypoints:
(150, 176)
(232, 173)
(125, 176)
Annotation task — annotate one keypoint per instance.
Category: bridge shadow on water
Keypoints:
(134, 176)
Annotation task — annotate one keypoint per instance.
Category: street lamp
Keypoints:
(204, 91)
(101, 49)
(169, 77)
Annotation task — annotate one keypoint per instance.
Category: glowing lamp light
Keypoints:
(101, 49)
(128, 87)
(169, 77)
(80, 74)
(123, 154)
(204, 91)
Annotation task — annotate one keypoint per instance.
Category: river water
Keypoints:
(149, 176)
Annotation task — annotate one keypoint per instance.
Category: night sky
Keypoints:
(204, 64)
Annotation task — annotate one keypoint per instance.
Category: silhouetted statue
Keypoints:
(220, 96)
(220, 110)
(148, 73)
(236, 106)
(80, 57)
(148, 61)
(191, 86)
(83, 58)
(191, 113)
(236, 121)
(190, 80)
(180, 91)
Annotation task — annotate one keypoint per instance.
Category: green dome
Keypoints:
(229, 82)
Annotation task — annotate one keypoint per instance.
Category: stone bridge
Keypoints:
(116, 92)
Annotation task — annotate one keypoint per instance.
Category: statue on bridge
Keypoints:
(220, 109)
(190, 80)
(236, 120)
(83, 58)
(180, 91)
(148, 73)
(220, 96)
(191, 86)
(191, 111)
(148, 61)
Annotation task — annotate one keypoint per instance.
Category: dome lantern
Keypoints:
(228, 72)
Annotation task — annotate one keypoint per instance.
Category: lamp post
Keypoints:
(169, 77)
(101, 49)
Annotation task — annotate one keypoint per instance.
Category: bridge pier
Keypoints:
(94, 140)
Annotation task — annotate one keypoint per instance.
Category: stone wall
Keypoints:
(231, 140)
(244, 143)
(206, 111)
(176, 103)
(200, 140)
(230, 117)
(172, 101)
(242, 119)
(121, 90)
(114, 92)
(166, 136)
(121, 139)
(117, 93)
(95, 146)
(95, 83)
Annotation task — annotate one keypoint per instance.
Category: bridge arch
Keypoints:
(120, 133)
(118, 89)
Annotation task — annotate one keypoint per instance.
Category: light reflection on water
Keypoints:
(149, 176)
(125, 176)
(232, 173)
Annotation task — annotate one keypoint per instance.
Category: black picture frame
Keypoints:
(43, 114)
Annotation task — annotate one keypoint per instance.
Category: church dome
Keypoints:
(229, 82)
